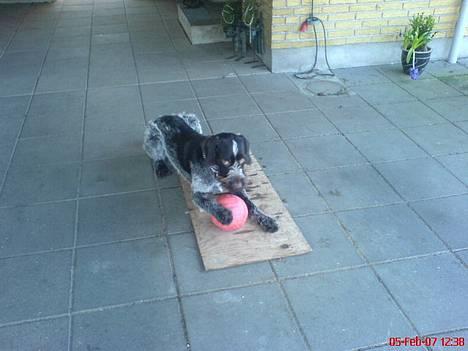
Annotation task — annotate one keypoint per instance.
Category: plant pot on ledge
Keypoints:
(421, 59)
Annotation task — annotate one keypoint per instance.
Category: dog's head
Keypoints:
(226, 155)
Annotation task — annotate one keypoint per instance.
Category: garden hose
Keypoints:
(312, 73)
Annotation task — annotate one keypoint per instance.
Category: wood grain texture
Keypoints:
(249, 244)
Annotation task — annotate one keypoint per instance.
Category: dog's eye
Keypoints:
(226, 163)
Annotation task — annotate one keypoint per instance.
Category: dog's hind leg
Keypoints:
(154, 147)
(192, 121)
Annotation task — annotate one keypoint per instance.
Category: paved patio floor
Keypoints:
(95, 254)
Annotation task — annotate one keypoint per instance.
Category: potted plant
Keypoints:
(416, 53)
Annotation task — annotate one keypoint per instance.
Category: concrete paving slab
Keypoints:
(116, 175)
(38, 286)
(210, 319)
(118, 217)
(416, 278)
(192, 276)
(390, 232)
(323, 152)
(421, 179)
(140, 327)
(332, 294)
(301, 124)
(447, 217)
(118, 269)
(47, 335)
(37, 228)
(353, 187)
(332, 249)
(298, 193)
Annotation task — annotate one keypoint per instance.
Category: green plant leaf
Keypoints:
(419, 34)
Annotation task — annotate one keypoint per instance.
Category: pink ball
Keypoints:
(239, 210)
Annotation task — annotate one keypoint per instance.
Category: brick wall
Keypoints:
(355, 21)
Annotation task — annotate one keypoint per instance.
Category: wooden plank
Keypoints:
(249, 244)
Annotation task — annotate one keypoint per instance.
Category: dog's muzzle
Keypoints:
(235, 183)
(235, 180)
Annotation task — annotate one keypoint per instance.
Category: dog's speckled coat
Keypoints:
(212, 164)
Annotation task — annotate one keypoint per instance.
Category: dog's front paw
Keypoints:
(224, 216)
(268, 224)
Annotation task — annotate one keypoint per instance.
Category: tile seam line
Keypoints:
(64, 135)
(13, 34)
(290, 308)
(194, 93)
(190, 81)
(15, 95)
(86, 246)
(157, 186)
(132, 303)
(84, 197)
(170, 250)
(454, 253)
(138, 302)
(435, 124)
(38, 75)
(78, 191)
(362, 265)
(52, 92)
(162, 211)
(28, 107)
(284, 294)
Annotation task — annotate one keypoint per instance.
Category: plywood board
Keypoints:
(249, 244)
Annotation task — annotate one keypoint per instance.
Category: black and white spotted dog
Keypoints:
(212, 164)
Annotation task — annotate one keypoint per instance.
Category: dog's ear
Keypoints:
(243, 147)
(208, 147)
